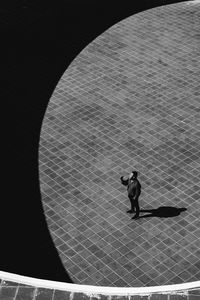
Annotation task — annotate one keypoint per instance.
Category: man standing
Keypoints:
(134, 191)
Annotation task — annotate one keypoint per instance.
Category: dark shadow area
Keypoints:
(39, 39)
(162, 212)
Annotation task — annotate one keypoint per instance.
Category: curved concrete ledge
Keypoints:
(183, 291)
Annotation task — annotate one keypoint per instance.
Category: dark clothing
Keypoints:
(135, 205)
(133, 186)
(134, 191)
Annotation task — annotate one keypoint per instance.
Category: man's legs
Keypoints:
(132, 210)
(137, 208)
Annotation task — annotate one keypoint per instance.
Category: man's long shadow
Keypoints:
(163, 212)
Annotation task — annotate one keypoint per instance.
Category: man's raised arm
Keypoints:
(124, 182)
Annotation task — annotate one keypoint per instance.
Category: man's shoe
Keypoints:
(130, 211)
(135, 217)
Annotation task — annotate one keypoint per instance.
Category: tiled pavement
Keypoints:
(130, 100)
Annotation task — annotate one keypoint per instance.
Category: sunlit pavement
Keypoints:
(129, 101)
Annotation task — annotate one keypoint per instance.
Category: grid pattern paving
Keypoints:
(129, 101)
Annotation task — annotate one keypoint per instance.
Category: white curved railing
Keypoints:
(95, 290)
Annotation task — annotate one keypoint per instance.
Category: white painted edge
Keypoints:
(96, 290)
(194, 2)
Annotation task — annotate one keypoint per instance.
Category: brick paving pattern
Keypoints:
(130, 100)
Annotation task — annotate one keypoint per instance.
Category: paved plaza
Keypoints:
(129, 101)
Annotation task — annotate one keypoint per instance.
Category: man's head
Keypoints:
(133, 175)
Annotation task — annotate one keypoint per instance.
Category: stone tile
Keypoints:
(193, 297)
(80, 296)
(103, 297)
(80, 276)
(113, 277)
(195, 292)
(44, 294)
(159, 297)
(120, 283)
(145, 279)
(178, 297)
(61, 295)
(104, 282)
(8, 293)
(25, 293)
(118, 297)
(137, 297)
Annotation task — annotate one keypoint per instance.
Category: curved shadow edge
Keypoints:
(36, 57)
